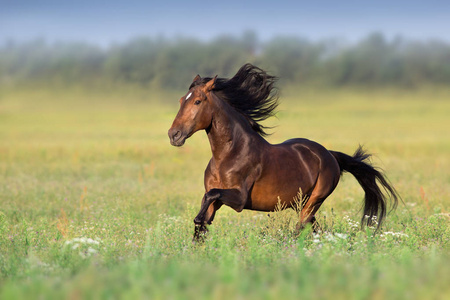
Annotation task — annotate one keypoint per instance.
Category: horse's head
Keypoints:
(195, 112)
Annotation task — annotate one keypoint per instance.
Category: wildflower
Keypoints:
(85, 245)
(341, 235)
(91, 251)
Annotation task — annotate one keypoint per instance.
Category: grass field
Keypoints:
(96, 204)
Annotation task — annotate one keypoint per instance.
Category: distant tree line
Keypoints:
(172, 63)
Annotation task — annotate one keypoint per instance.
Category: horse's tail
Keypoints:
(367, 176)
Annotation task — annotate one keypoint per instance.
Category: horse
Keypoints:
(247, 172)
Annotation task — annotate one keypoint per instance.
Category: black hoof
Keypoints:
(199, 233)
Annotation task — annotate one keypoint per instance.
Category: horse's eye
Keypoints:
(197, 102)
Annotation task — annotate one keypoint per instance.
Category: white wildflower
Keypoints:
(91, 250)
(389, 235)
(341, 235)
(86, 246)
(329, 237)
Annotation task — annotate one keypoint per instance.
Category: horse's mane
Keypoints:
(251, 92)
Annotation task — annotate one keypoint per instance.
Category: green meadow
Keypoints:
(96, 204)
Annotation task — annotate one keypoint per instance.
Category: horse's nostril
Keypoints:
(176, 135)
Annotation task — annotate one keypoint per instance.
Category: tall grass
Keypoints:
(95, 203)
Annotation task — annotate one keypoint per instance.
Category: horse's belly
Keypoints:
(284, 187)
(264, 200)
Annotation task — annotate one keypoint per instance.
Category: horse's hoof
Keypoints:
(198, 239)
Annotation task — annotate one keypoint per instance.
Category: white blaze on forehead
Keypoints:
(189, 95)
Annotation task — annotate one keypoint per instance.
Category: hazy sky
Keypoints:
(104, 22)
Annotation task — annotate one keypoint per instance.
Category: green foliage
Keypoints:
(173, 63)
(95, 203)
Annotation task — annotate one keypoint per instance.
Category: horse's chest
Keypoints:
(226, 175)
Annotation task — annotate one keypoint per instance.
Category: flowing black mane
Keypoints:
(251, 92)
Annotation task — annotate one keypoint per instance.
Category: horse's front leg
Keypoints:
(211, 202)
(200, 225)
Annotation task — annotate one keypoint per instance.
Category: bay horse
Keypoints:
(247, 172)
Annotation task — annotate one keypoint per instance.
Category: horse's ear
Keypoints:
(197, 78)
(210, 84)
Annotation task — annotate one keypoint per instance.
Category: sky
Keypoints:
(108, 22)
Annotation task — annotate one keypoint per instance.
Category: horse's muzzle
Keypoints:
(177, 138)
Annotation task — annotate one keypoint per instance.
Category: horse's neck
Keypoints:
(230, 132)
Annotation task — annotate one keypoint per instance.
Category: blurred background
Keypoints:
(88, 90)
(162, 44)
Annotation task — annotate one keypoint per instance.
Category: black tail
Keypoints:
(367, 176)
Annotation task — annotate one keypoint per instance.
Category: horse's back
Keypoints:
(313, 151)
(302, 145)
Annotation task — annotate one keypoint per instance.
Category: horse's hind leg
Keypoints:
(307, 214)
(324, 187)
